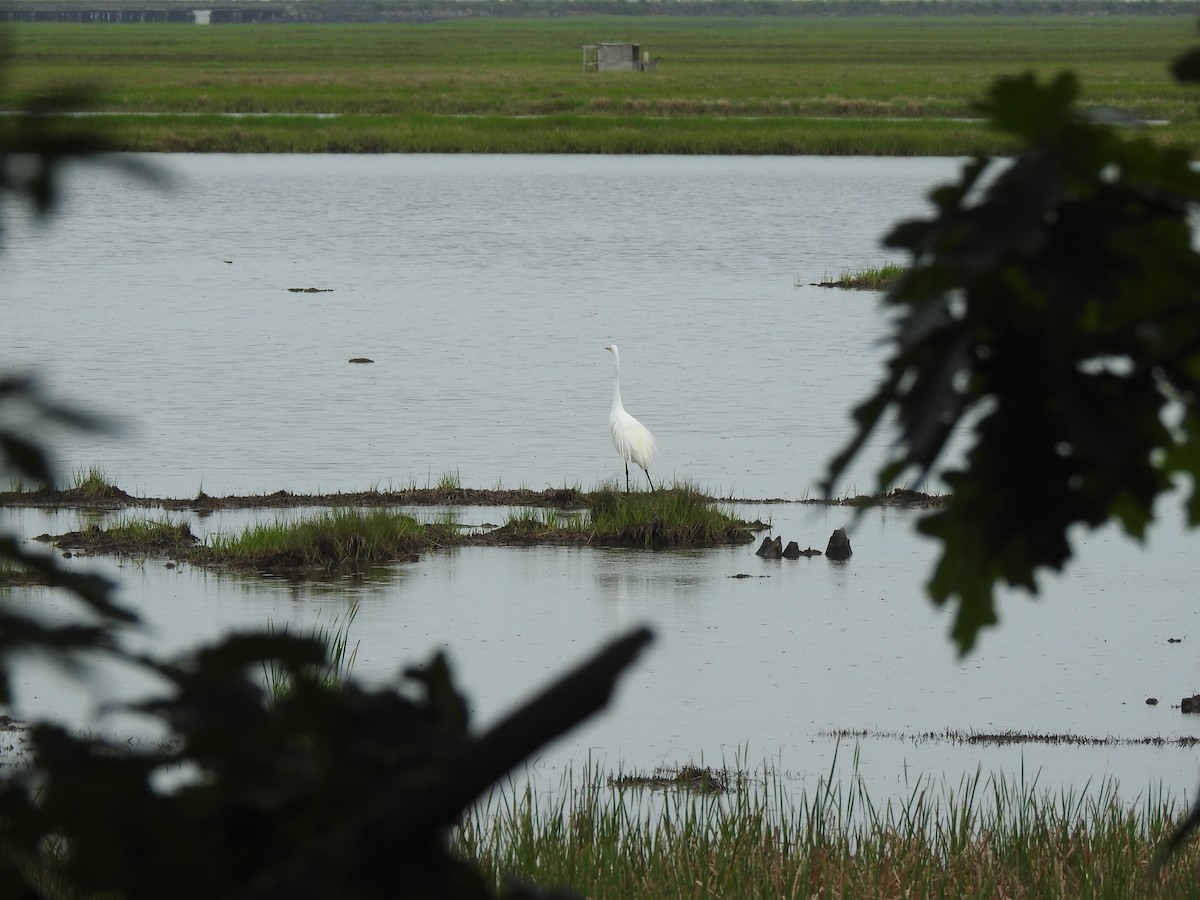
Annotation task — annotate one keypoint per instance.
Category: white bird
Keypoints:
(633, 440)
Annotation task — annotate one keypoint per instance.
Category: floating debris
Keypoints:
(1001, 738)
(698, 779)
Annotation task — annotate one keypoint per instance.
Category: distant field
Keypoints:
(884, 85)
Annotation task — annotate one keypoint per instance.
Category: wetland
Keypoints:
(230, 404)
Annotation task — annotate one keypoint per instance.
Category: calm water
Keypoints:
(485, 289)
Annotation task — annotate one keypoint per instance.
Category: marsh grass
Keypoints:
(91, 485)
(450, 481)
(339, 661)
(679, 514)
(331, 540)
(132, 538)
(872, 278)
(17, 485)
(165, 536)
(357, 537)
(545, 521)
(676, 515)
(1000, 836)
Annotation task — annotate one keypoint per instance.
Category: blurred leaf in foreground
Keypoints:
(1051, 315)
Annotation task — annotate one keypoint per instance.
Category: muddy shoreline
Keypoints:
(114, 498)
(362, 529)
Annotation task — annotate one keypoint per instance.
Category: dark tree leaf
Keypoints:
(1049, 317)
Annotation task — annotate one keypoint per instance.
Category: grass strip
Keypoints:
(1000, 836)
(874, 84)
(565, 134)
(679, 515)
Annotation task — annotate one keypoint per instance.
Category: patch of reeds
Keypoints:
(165, 536)
(543, 522)
(1015, 736)
(330, 540)
(677, 515)
(130, 537)
(91, 485)
(871, 278)
(16, 485)
(449, 481)
(1000, 836)
(339, 658)
(698, 779)
(12, 575)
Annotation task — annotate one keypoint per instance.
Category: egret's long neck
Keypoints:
(616, 404)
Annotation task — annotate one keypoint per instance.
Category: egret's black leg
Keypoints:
(647, 471)
(627, 476)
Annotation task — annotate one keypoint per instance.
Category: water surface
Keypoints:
(485, 289)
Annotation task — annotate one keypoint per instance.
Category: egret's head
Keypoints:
(611, 348)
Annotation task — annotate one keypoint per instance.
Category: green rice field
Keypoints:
(878, 85)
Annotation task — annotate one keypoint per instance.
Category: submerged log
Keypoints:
(771, 548)
(839, 545)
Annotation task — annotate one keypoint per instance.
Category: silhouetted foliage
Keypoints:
(1051, 311)
(327, 792)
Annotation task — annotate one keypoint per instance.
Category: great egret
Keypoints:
(633, 440)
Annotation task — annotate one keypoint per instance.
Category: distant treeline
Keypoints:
(334, 11)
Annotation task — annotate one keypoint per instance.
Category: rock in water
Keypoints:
(770, 549)
(839, 545)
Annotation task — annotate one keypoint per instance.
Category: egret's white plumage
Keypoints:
(633, 440)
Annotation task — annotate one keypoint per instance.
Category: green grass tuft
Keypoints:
(872, 278)
(339, 659)
(92, 485)
(679, 514)
(331, 540)
(156, 536)
(450, 481)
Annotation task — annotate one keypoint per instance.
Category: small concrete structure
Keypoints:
(611, 57)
